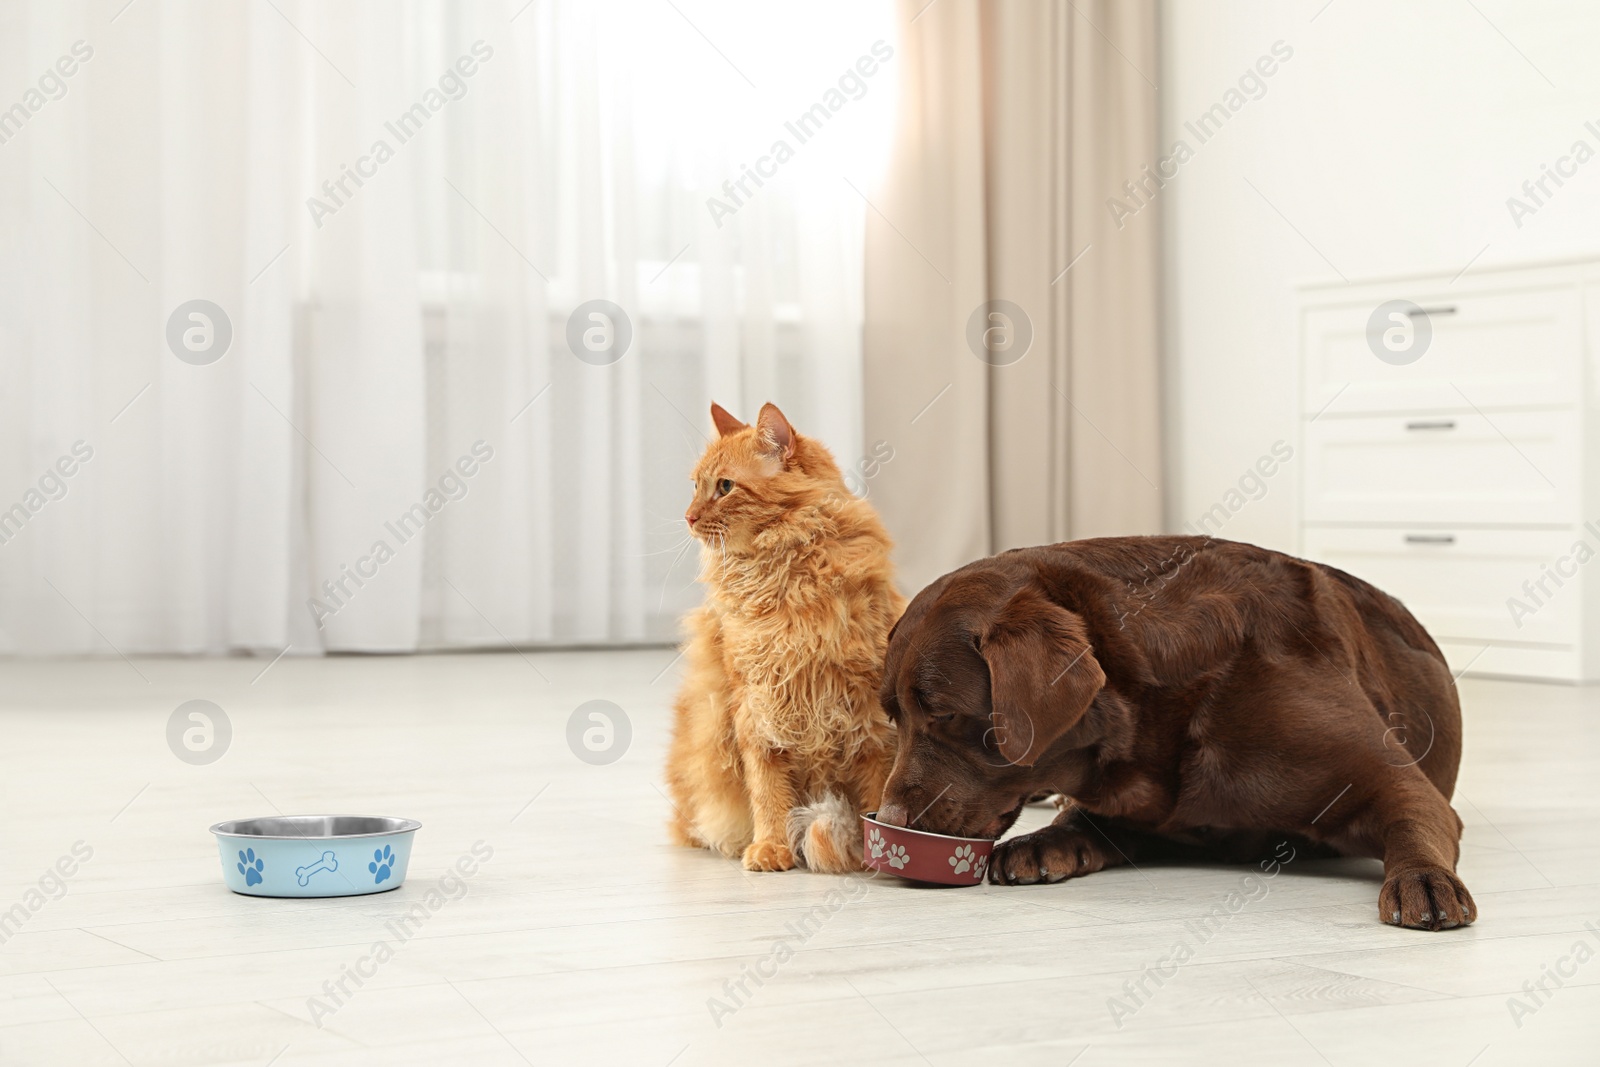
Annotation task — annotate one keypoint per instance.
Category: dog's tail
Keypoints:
(825, 835)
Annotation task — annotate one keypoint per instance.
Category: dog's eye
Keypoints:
(919, 696)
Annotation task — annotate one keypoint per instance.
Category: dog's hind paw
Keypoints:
(1052, 854)
(1426, 898)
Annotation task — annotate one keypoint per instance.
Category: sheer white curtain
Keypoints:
(395, 209)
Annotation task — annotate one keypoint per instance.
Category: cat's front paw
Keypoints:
(768, 856)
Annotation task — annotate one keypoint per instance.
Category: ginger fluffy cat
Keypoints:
(779, 742)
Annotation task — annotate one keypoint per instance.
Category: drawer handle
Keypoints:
(1430, 539)
(1433, 424)
(1447, 310)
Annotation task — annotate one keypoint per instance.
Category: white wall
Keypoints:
(1391, 140)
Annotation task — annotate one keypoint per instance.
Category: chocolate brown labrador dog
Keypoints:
(1191, 697)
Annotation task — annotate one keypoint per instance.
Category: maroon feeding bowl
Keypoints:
(921, 856)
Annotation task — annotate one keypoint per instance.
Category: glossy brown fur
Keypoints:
(1191, 696)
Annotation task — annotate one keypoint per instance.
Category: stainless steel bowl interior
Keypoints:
(307, 827)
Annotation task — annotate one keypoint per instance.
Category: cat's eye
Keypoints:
(724, 487)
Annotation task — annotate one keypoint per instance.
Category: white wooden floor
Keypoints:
(587, 939)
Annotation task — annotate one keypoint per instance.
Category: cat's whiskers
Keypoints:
(674, 547)
(662, 601)
(708, 533)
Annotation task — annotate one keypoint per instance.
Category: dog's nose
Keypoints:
(893, 814)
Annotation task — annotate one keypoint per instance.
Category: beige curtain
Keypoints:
(1018, 121)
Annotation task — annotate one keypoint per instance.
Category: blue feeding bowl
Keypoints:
(314, 855)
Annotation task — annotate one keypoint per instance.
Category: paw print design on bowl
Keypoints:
(251, 866)
(314, 855)
(922, 855)
(382, 864)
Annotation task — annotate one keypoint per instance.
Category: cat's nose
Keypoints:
(691, 517)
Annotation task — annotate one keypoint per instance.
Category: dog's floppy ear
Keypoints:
(1042, 674)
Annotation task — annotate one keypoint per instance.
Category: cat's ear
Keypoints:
(726, 423)
(775, 433)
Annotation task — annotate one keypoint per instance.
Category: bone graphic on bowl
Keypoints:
(326, 863)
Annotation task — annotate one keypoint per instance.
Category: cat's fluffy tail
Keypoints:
(825, 835)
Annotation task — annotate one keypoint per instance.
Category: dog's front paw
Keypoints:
(1426, 898)
(768, 856)
(1049, 855)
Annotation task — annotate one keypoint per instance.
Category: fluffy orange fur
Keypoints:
(779, 742)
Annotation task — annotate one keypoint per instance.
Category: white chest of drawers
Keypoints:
(1465, 480)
